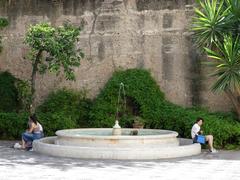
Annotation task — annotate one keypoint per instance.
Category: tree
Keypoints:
(3, 23)
(53, 49)
(216, 32)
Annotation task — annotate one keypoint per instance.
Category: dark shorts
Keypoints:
(203, 141)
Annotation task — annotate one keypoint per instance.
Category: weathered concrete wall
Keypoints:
(151, 34)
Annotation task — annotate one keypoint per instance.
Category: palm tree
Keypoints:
(216, 31)
(227, 68)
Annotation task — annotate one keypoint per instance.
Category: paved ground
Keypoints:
(17, 164)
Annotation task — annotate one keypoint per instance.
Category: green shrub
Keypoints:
(225, 129)
(8, 93)
(158, 112)
(64, 109)
(141, 91)
(24, 94)
(56, 121)
(12, 125)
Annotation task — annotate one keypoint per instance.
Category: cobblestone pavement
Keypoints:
(18, 164)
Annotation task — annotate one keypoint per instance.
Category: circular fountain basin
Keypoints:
(100, 144)
(104, 138)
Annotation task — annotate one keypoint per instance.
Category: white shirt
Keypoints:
(195, 130)
(40, 127)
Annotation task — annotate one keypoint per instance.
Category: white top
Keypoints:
(195, 130)
(40, 127)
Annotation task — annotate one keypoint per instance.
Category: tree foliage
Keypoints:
(59, 44)
(53, 49)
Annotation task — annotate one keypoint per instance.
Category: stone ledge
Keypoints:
(46, 146)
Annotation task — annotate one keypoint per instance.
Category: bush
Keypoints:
(8, 93)
(141, 91)
(151, 105)
(225, 129)
(52, 122)
(64, 109)
(12, 125)
(24, 94)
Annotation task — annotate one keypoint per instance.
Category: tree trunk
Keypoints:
(235, 101)
(33, 78)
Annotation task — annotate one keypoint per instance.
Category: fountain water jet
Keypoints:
(116, 128)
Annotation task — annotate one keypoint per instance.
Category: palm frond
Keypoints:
(226, 59)
(212, 19)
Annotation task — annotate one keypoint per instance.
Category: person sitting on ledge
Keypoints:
(34, 131)
(196, 132)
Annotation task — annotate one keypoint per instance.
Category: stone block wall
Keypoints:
(117, 34)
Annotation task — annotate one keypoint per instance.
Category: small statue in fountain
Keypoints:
(116, 129)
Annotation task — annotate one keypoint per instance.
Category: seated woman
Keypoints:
(34, 131)
(196, 131)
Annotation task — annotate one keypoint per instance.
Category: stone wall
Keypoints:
(117, 34)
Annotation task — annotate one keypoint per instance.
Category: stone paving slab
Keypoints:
(18, 164)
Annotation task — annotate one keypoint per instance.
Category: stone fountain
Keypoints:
(116, 142)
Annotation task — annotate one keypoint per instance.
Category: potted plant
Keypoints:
(138, 122)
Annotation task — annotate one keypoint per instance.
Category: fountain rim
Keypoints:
(62, 134)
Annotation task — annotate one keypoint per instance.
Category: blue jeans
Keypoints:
(30, 137)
